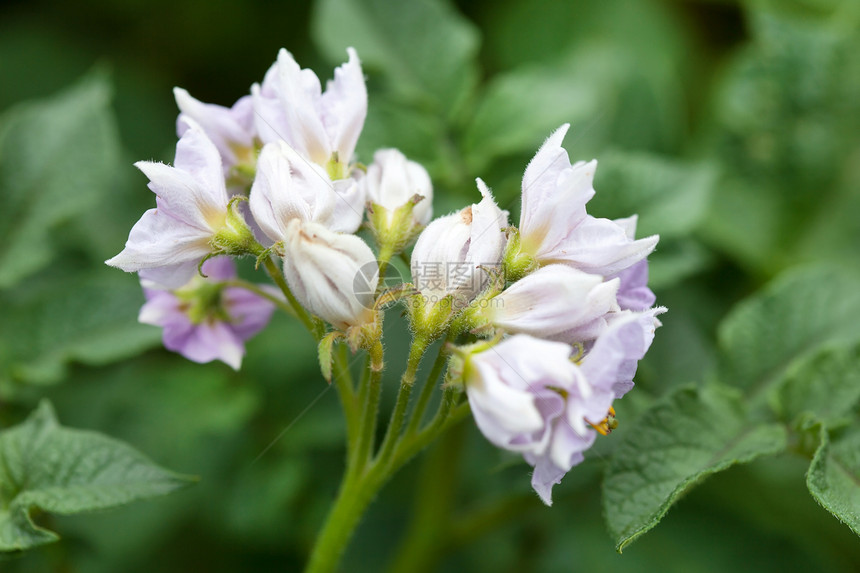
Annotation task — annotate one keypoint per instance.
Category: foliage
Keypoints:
(730, 127)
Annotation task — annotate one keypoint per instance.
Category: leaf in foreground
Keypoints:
(46, 467)
(834, 476)
(678, 442)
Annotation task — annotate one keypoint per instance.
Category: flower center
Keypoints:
(607, 424)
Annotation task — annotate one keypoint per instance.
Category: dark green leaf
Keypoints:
(834, 475)
(44, 466)
(56, 158)
(678, 442)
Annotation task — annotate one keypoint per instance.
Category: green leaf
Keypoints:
(90, 319)
(44, 466)
(678, 442)
(424, 47)
(793, 316)
(834, 475)
(825, 384)
(56, 158)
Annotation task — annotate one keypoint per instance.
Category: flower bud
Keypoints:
(401, 200)
(392, 181)
(333, 275)
(454, 253)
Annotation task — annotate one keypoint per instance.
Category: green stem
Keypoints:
(407, 382)
(301, 313)
(352, 500)
(363, 481)
(342, 380)
(427, 390)
(386, 251)
(360, 456)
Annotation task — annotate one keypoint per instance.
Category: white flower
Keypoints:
(333, 275)
(168, 242)
(454, 252)
(321, 126)
(392, 181)
(554, 227)
(230, 129)
(288, 187)
(556, 302)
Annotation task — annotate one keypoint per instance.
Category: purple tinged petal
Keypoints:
(212, 341)
(612, 361)
(250, 313)
(159, 240)
(634, 294)
(553, 300)
(197, 156)
(554, 194)
(599, 246)
(343, 107)
(228, 128)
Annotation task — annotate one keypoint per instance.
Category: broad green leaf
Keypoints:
(825, 384)
(680, 441)
(792, 316)
(92, 319)
(46, 467)
(670, 196)
(834, 475)
(424, 47)
(56, 158)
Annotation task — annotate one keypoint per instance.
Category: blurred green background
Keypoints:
(732, 128)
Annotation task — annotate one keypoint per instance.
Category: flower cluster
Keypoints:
(561, 327)
(546, 321)
(275, 174)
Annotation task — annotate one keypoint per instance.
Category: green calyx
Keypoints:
(235, 237)
(394, 230)
(517, 261)
(427, 318)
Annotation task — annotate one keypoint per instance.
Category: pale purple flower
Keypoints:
(554, 226)
(289, 187)
(321, 126)
(556, 302)
(333, 275)
(231, 129)
(634, 294)
(528, 396)
(454, 253)
(392, 181)
(205, 321)
(168, 242)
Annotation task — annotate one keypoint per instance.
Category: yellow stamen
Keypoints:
(607, 424)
